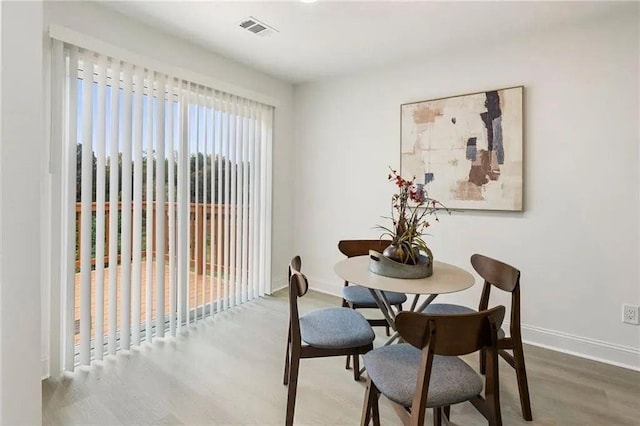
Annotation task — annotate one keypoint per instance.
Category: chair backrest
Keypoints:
(298, 287)
(497, 273)
(295, 265)
(299, 283)
(506, 278)
(451, 335)
(352, 248)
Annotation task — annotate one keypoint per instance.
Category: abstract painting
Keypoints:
(467, 150)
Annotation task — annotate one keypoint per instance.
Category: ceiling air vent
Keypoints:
(257, 27)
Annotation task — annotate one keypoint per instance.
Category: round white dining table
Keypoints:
(446, 278)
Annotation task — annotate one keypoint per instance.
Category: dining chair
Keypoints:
(506, 278)
(335, 331)
(426, 372)
(358, 297)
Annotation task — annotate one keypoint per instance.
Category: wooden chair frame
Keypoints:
(506, 278)
(352, 248)
(296, 350)
(447, 335)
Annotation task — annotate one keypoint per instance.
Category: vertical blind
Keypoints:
(166, 191)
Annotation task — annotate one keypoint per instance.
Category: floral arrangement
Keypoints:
(409, 222)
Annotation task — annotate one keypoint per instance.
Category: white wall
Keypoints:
(577, 242)
(21, 130)
(106, 25)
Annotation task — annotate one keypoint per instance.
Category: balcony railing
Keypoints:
(198, 212)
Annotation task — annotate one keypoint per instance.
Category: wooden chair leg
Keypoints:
(375, 411)
(483, 361)
(356, 368)
(523, 385)
(491, 390)
(286, 359)
(370, 407)
(437, 416)
(346, 304)
(486, 408)
(447, 412)
(293, 386)
(365, 418)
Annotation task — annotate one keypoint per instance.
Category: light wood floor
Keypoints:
(228, 371)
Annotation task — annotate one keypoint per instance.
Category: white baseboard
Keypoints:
(44, 368)
(277, 283)
(327, 287)
(278, 289)
(583, 347)
(321, 286)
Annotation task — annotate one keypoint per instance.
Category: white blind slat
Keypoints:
(192, 285)
(256, 204)
(138, 170)
(86, 211)
(171, 131)
(263, 212)
(238, 204)
(203, 194)
(57, 158)
(258, 208)
(249, 201)
(195, 151)
(180, 218)
(219, 224)
(233, 158)
(266, 248)
(100, 205)
(212, 200)
(149, 234)
(183, 211)
(125, 261)
(226, 137)
(202, 118)
(70, 201)
(160, 207)
(246, 141)
(237, 237)
(114, 236)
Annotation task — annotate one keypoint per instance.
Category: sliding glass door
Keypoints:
(164, 189)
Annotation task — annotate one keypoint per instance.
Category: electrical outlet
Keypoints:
(630, 314)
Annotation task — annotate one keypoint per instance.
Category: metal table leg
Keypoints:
(414, 303)
(426, 302)
(387, 310)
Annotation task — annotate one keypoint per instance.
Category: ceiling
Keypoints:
(326, 38)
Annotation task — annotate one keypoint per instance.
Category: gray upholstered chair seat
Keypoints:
(447, 309)
(451, 309)
(335, 328)
(394, 370)
(362, 297)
